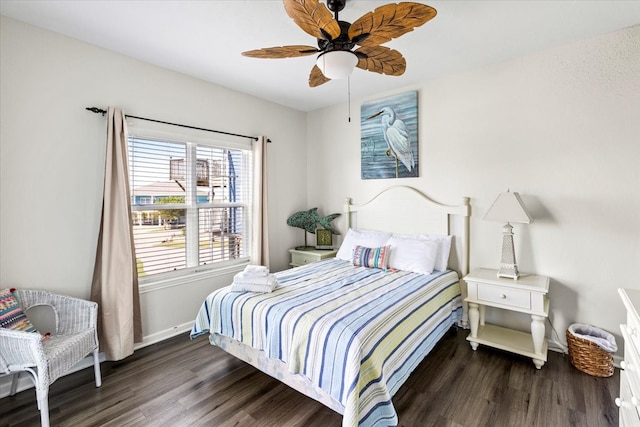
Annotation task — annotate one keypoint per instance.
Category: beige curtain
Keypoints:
(115, 275)
(260, 232)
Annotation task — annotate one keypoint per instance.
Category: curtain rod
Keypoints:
(103, 112)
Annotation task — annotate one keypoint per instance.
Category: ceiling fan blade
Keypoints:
(381, 59)
(316, 78)
(281, 52)
(388, 22)
(313, 17)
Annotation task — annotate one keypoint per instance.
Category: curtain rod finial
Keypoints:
(97, 110)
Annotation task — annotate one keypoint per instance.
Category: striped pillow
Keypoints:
(11, 314)
(371, 257)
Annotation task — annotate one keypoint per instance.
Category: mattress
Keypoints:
(354, 333)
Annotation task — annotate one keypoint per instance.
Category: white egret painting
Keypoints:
(389, 137)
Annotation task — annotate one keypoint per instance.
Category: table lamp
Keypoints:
(508, 208)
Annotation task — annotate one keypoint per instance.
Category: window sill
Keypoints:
(194, 275)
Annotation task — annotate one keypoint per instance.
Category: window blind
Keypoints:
(190, 204)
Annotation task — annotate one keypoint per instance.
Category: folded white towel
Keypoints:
(245, 287)
(255, 284)
(256, 270)
(251, 279)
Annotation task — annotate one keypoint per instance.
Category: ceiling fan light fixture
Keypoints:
(337, 64)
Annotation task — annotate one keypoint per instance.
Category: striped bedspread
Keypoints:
(356, 333)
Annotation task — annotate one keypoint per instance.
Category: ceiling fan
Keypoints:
(337, 39)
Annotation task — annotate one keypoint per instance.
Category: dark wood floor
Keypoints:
(189, 383)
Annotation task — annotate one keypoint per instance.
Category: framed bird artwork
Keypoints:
(389, 137)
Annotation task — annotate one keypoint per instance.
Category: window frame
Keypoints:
(192, 139)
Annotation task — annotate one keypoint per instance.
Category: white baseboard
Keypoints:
(557, 346)
(25, 382)
(617, 360)
(163, 335)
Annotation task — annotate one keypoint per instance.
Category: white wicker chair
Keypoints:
(75, 336)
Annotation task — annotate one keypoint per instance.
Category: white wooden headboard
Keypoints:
(404, 209)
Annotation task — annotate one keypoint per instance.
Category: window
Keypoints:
(190, 205)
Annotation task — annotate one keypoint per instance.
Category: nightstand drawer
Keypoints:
(302, 258)
(504, 296)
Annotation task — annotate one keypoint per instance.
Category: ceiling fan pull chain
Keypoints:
(349, 96)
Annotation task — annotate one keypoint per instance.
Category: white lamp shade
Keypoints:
(508, 208)
(337, 64)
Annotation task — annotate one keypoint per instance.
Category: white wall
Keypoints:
(562, 128)
(52, 160)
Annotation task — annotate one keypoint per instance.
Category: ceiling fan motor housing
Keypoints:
(342, 42)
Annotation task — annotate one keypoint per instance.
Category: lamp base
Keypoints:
(510, 271)
(508, 267)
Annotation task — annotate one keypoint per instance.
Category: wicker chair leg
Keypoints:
(14, 383)
(96, 367)
(43, 404)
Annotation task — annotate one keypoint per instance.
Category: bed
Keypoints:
(342, 331)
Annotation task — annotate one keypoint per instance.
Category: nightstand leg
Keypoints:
(474, 320)
(537, 333)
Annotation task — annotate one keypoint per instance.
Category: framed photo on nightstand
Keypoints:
(324, 239)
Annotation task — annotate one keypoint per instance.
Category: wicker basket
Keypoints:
(588, 357)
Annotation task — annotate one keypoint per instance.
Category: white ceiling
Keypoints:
(204, 39)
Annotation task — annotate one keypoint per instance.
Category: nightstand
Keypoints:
(527, 294)
(305, 256)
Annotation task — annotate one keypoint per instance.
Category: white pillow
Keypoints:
(366, 238)
(416, 255)
(444, 247)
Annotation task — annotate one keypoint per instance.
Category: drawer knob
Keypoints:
(503, 296)
(618, 402)
(631, 330)
(624, 365)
